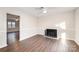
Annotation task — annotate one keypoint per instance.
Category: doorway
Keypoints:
(13, 28)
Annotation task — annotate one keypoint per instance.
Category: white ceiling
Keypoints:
(36, 11)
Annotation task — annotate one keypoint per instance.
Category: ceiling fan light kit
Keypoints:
(44, 11)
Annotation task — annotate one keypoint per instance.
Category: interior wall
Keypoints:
(77, 25)
(2, 29)
(28, 24)
(63, 22)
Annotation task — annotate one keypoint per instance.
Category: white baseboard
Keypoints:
(28, 37)
(4, 45)
(77, 42)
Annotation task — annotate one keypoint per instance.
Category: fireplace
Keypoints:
(51, 33)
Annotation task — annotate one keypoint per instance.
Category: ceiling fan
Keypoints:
(43, 9)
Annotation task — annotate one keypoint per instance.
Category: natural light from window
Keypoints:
(62, 27)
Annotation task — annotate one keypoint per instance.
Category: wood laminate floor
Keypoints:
(40, 43)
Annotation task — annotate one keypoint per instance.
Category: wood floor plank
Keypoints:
(39, 43)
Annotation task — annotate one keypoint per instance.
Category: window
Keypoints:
(11, 24)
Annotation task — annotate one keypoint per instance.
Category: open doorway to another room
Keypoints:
(13, 28)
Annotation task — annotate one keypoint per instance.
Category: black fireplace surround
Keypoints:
(51, 33)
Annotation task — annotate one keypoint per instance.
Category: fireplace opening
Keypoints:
(51, 33)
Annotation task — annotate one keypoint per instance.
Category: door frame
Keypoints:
(7, 26)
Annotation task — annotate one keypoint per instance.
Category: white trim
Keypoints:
(4, 45)
(77, 41)
(28, 37)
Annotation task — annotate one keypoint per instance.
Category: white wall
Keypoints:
(28, 24)
(77, 25)
(2, 29)
(58, 21)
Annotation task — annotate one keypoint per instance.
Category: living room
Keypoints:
(36, 24)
